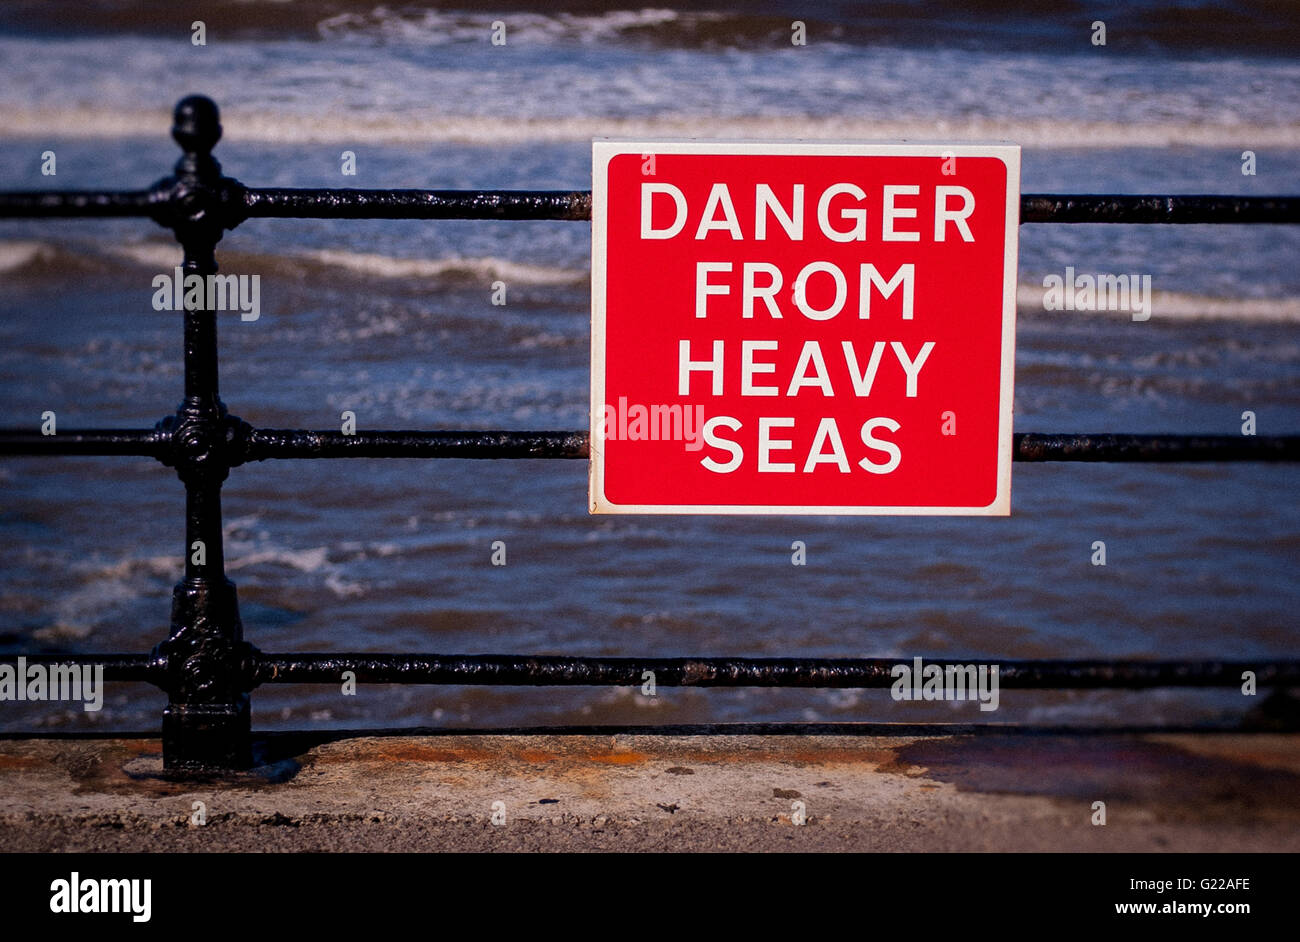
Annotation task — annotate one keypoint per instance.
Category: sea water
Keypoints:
(394, 322)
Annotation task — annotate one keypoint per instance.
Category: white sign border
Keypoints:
(605, 149)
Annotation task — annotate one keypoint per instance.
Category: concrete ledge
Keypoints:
(951, 792)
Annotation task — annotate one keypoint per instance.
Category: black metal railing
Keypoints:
(208, 670)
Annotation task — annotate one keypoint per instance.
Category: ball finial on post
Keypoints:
(196, 125)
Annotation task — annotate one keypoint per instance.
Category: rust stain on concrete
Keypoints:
(477, 754)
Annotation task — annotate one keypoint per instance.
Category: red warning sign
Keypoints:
(803, 328)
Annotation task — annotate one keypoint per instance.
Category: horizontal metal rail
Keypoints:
(66, 204)
(127, 668)
(1175, 210)
(289, 443)
(417, 204)
(262, 444)
(523, 670)
(519, 670)
(108, 441)
(575, 205)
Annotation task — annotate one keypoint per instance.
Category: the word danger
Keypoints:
(842, 212)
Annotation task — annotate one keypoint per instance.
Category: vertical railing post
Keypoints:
(208, 665)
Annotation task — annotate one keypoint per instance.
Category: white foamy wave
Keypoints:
(421, 128)
(104, 590)
(387, 266)
(163, 567)
(1173, 305)
(157, 255)
(15, 254)
(248, 546)
(310, 560)
(431, 28)
(163, 257)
